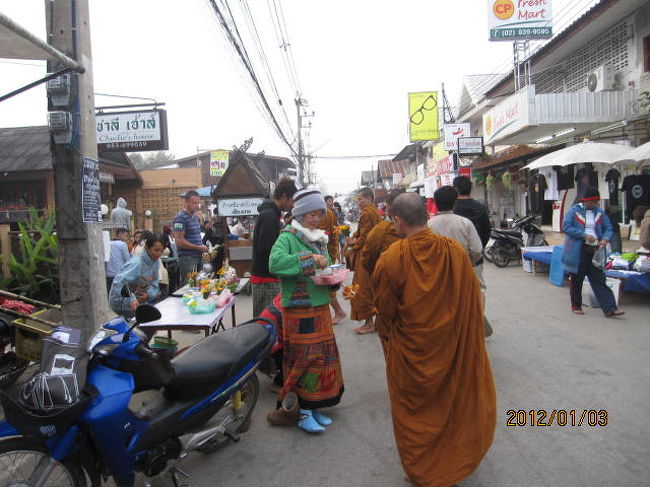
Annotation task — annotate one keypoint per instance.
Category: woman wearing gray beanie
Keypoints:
(311, 364)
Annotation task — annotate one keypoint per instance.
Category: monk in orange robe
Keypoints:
(363, 308)
(330, 225)
(381, 236)
(439, 377)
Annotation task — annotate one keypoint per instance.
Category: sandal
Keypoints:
(578, 311)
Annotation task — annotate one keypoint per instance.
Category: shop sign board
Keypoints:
(238, 206)
(423, 116)
(511, 115)
(141, 130)
(468, 146)
(511, 20)
(452, 132)
(430, 187)
(420, 171)
(91, 200)
(219, 160)
(444, 166)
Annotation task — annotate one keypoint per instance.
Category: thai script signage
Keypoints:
(90, 192)
(143, 130)
(238, 206)
(470, 145)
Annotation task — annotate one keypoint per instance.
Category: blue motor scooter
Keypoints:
(202, 400)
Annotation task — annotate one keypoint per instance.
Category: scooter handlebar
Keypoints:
(145, 352)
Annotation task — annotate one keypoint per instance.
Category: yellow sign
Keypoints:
(218, 162)
(423, 116)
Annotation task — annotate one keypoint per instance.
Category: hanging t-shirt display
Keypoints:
(612, 177)
(637, 191)
(551, 191)
(564, 177)
(537, 188)
(585, 177)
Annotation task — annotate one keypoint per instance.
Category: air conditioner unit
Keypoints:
(601, 79)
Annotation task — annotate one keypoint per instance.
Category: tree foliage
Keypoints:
(151, 160)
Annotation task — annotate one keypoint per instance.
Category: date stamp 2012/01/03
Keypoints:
(559, 417)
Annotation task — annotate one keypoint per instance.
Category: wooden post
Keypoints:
(5, 248)
(81, 251)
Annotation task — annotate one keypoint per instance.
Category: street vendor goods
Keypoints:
(201, 400)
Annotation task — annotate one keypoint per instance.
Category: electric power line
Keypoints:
(243, 55)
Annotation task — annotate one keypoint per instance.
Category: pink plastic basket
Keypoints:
(336, 278)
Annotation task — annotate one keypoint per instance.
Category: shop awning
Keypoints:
(594, 152)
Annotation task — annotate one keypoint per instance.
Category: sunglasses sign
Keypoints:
(512, 20)
(423, 116)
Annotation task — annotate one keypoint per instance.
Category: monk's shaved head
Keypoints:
(410, 209)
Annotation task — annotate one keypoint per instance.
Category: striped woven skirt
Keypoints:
(311, 364)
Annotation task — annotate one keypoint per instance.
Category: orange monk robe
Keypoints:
(378, 240)
(363, 302)
(330, 224)
(439, 377)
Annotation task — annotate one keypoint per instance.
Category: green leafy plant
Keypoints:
(35, 272)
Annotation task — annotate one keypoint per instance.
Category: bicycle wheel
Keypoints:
(25, 462)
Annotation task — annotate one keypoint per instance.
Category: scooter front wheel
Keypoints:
(500, 259)
(24, 462)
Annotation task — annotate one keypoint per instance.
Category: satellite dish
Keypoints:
(592, 82)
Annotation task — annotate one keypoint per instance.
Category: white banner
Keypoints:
(238, 207)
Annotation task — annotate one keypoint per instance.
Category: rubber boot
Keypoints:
(308, 423)
(322, 419)
(287, 414)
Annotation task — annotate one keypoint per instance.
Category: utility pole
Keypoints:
(301, 155)
(81, 249)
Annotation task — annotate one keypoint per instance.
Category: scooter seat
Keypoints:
(515, 233)
(202, 368)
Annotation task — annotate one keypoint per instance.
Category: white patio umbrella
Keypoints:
(594, 152)
(639, 156)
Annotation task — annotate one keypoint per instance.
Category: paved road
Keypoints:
(543, 357)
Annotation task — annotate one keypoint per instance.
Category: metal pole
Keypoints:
(301, 156)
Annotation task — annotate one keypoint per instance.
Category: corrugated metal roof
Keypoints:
(25, 149)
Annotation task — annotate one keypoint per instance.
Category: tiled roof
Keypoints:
(25, 149)
(513, 154)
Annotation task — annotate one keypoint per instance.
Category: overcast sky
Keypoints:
(355, 60)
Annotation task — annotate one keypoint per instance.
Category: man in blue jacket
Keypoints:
(587, 228)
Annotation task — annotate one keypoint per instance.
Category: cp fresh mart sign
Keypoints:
(519, 19)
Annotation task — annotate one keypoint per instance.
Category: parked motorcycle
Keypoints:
(203, 399)
(506, 245)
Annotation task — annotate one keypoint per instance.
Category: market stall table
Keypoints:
(636, 282)
(538, 254)
(176, 316)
